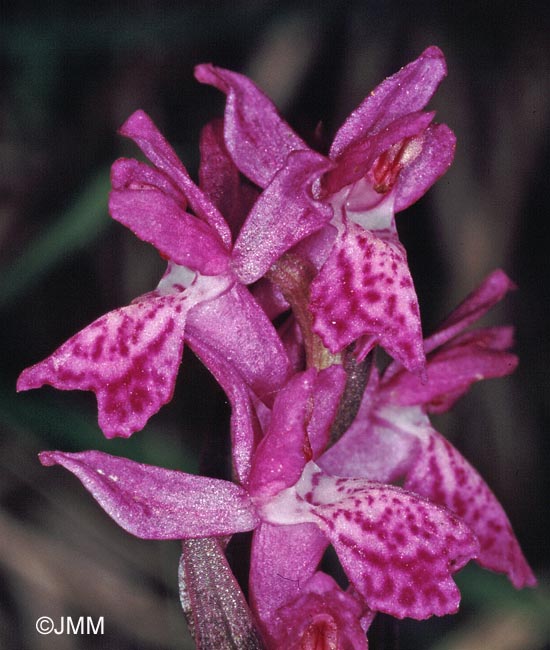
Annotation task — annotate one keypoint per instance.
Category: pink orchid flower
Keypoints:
(398, 549)
(383, 158)
(130, 356)
(392, 437)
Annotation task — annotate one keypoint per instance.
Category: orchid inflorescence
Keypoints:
(285, 275)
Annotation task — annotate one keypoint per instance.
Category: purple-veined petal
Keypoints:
(365, 288)
(219, 178)
(282, 559)
(416, 177)
(284, 214)
(140, 128)
(258, 139)
(156, 503)
(398, 549)
(155, 217)
(444, 476)
(491, 291)
(129, 358)
(407, 91)
(324, 616)
(237, 328)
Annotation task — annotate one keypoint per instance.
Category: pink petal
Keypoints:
(399, 550)
(156, 217)
(407, 91)
(452, 370)
(140, 128)
(237, 328)
(155, 503)
(374, 446)
(415, 179)
(220, 180)
(357, 159)
(258, 139)
(284, 214)
(245, 427)
(323, 616)
(491, 291)
(129, 358)
(283, 558)
(285, 449)
(365, 288)
(445, 477)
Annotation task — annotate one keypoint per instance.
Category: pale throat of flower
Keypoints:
(177, 278)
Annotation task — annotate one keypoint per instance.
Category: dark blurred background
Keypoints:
(72, 72)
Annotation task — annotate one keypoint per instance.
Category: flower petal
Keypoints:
(245, 427)
(444, 476)
(237, 328)
(258, 139)
(398, 549)
(437, 144)
(365, 288)
(357, 159)
(156, 217)
(155, 503)
(452, 370)
(374, 446)
(285, 448)
(284, 214)
(324, 616)
(283, 558)
(140, 128)
(129, 358)
(219, 178)
(491, 291)
(407, 91)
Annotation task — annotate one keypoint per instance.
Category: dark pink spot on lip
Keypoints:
(372, 296)
(407, 597)
(97, 349)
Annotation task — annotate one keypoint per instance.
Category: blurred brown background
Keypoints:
(71, 74)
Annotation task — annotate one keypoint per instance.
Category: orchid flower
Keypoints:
(324, 616)
(392, 437)
(383, 158)
(398, 549)
(130, 357)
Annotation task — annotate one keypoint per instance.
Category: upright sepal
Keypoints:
(407, 91)
(258, 139)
